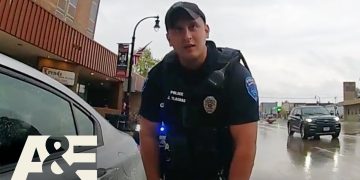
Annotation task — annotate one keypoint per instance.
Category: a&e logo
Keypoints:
(57, 157)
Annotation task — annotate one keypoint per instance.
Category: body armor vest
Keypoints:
(196, 119)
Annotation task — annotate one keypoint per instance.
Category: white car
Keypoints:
(31, 103)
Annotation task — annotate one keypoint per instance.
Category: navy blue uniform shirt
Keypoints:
(240, 90)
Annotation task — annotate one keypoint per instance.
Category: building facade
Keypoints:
(79, 14)
(53, 36)
(267, 108)
(351, 102)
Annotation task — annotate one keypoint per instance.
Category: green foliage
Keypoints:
(145, 63)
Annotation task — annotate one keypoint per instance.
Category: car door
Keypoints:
(297, 119)
(29, 107)
(290, 118)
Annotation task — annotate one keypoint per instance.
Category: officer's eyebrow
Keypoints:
(188, 22)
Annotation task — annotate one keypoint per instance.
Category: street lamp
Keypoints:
(127, 97)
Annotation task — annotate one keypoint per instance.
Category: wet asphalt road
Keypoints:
(291, 158)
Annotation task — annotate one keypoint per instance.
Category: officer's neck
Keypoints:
(194, 64)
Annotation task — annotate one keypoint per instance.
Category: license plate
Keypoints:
(326, 129)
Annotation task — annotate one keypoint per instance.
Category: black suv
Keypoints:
(313, 121)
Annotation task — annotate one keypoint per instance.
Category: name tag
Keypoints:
(176, 96)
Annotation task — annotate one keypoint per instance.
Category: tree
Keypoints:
(357, 92)
(145, 63)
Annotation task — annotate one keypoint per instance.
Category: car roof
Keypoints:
(308, 106)
(22, 68)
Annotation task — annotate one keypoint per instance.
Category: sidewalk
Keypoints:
(350, 127)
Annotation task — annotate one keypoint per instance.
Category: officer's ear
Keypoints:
(169, 40)
(207, 30)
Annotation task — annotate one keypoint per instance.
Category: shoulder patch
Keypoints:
(251, 87)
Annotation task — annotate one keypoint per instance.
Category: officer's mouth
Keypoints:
(189, 46)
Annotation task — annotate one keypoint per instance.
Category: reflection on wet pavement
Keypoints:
(282, 157)
(302, 153)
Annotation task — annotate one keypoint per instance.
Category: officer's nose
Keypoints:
(187, 34)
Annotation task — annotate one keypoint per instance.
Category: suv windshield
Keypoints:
(315, 111)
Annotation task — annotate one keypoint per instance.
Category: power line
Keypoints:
(285, 98)
(329, 97)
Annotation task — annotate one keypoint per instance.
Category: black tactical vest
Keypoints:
(195, 117)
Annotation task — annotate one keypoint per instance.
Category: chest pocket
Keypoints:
(205, 107)
(201, 105)
(174, 99)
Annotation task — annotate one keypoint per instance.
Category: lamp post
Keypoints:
(317, 101)
(127, 97)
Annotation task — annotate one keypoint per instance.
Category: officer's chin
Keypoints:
(190, 56)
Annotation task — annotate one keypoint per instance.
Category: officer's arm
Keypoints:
(149, 148)
(243, 115)
(244, 138)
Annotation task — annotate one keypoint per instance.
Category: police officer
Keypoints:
(207, 100)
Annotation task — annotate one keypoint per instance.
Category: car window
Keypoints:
(84, 124)
(315, 111)
(26, 109)
(292, 112)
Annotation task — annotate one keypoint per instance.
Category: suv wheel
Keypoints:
(336, 135)
(303, 132)
(290, 132)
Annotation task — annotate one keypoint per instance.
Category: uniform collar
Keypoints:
(212, 54)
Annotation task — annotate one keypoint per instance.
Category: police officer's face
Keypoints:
(188, 38)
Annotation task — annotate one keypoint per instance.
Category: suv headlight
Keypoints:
(337, 119)
(308, 120)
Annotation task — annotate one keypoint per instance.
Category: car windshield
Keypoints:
(315, 111)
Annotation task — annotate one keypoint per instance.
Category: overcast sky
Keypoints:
(296, 49)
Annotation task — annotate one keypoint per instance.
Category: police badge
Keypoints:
(210, 104)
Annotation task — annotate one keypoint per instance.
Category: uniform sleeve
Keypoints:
(151, 98)
(242, 96)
